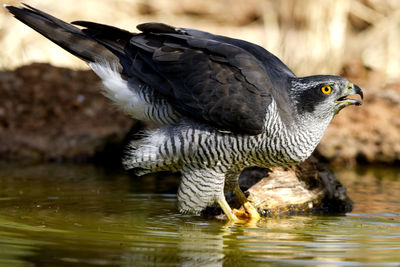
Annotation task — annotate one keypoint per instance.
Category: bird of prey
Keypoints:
(222, 104)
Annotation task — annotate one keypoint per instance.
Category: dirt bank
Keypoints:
(49, 113)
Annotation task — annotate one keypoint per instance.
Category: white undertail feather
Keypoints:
(117, 90)
(134, 97)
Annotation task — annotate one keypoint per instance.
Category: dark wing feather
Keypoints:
(221, 81)
(215, 82)
(278, 72)
(273, 65)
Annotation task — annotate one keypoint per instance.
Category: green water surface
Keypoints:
(86, 215)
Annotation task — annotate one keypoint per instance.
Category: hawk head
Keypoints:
(323, 96)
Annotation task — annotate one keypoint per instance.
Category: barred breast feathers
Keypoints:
(134, 97)
(171, 147)
(288, 142)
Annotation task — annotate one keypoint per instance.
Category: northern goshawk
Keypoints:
(222, 104)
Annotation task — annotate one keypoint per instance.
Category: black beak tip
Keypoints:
(359, 91)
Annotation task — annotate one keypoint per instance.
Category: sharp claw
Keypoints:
(251, 210)
(247, 211)
(240, 213)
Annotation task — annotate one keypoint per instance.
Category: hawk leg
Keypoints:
(200, 188)
(227, 210)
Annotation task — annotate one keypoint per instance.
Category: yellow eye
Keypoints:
(326, 89)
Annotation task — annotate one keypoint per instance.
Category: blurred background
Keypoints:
(356, 37)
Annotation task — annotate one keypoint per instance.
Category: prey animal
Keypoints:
(221, 104)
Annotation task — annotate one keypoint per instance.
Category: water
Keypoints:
(65, 214)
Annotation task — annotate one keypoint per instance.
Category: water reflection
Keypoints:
(201, 245)
(62, 214)
(376, 191)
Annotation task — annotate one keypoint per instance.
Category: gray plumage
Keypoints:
(222, 104)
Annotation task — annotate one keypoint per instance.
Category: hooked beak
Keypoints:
(352, 90)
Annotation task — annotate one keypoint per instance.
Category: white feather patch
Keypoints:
(117, 89)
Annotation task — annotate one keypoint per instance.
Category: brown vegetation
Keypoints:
(311, 36)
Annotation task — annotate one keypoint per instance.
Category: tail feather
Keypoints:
(69, 37)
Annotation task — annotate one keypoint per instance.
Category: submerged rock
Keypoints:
(309, 187)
